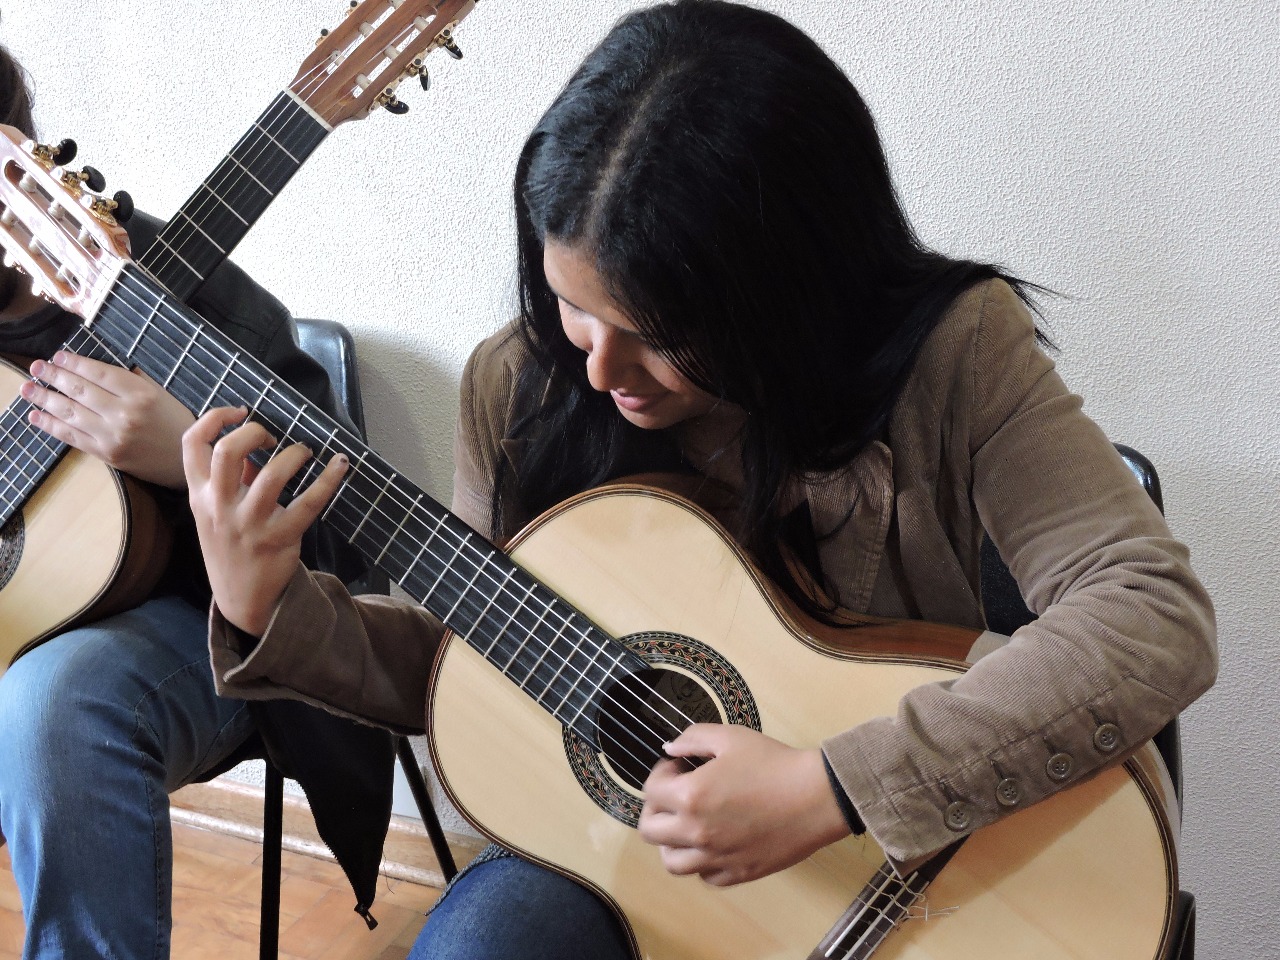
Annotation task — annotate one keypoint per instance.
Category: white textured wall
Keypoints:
(1119, 151)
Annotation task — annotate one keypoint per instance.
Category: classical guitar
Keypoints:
(616, 620)
(77, 539)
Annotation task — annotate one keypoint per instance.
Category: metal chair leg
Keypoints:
(418, 787)
(272, 839)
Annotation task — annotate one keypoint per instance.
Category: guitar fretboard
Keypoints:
(192, 244)
(231, 199)
(539, 641)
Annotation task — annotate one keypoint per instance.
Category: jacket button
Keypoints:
(1107, 737)
(958, 816)
(1008, 793)
(1059, 767)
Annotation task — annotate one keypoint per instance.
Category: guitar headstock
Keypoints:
(359, 64)
(55, 229)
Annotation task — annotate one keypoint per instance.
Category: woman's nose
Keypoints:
(608, 360)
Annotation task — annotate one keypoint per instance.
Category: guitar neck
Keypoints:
(190, 246)
(231, 199)
(539, 641)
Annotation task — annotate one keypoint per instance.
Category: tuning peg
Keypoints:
(123, 206)
(119, 208)
(449, 46)
(398, 107)
(92, 178)
(424, 78)
(58, 156)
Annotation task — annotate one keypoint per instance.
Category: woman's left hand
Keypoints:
(755, 807)
(122, 417)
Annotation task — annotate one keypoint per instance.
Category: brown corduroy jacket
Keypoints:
(985, 436)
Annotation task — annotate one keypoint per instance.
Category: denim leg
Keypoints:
(99, 724)
(510, 909)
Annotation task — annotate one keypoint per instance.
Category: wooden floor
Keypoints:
(215, 905)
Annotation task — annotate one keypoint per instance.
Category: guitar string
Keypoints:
(463, 544)
(281, 105)
(15, 419)
(166, 257)
(37, 442)
(311, 82)
(316, 79)
(584, 636)
(885, 877)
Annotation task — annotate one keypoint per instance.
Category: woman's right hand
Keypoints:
(251, 544)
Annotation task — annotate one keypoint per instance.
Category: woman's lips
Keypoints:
(635, 402)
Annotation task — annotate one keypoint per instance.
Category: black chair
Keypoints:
(330, 343)
(1006, 611)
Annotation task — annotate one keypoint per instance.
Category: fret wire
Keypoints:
(422, 549)
(374, 506)
(399, 527)
(279, 144)
(479, 568)
(520, 604)
(493, 597)
(533, 672)
(529, 632)
(249, 173)
(221, 378)
(179, 258)
(317, 463)
(592, 661)
(457, 551)
(195, 334)
(204, 233)
(208, 189)
(262, 395)
(146, 324)
(565, 658)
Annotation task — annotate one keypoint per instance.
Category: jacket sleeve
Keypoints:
(1124, 637)
(366, 657)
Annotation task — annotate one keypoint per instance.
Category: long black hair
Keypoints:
(729, 184)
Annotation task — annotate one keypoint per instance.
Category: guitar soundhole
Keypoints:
(12, 537)
(642, 713)
(688, 682)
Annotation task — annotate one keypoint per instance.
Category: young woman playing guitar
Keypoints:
(716, 278)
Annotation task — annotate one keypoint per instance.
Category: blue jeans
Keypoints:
(97, 726)
(506, 908)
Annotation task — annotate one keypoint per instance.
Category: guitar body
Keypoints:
(88, 543)
(1089, 873)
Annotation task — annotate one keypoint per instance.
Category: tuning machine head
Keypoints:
(449, 45)
(51, 155)
(116, 210)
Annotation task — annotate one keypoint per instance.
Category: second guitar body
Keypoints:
(89, 542)
(1089, 873)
